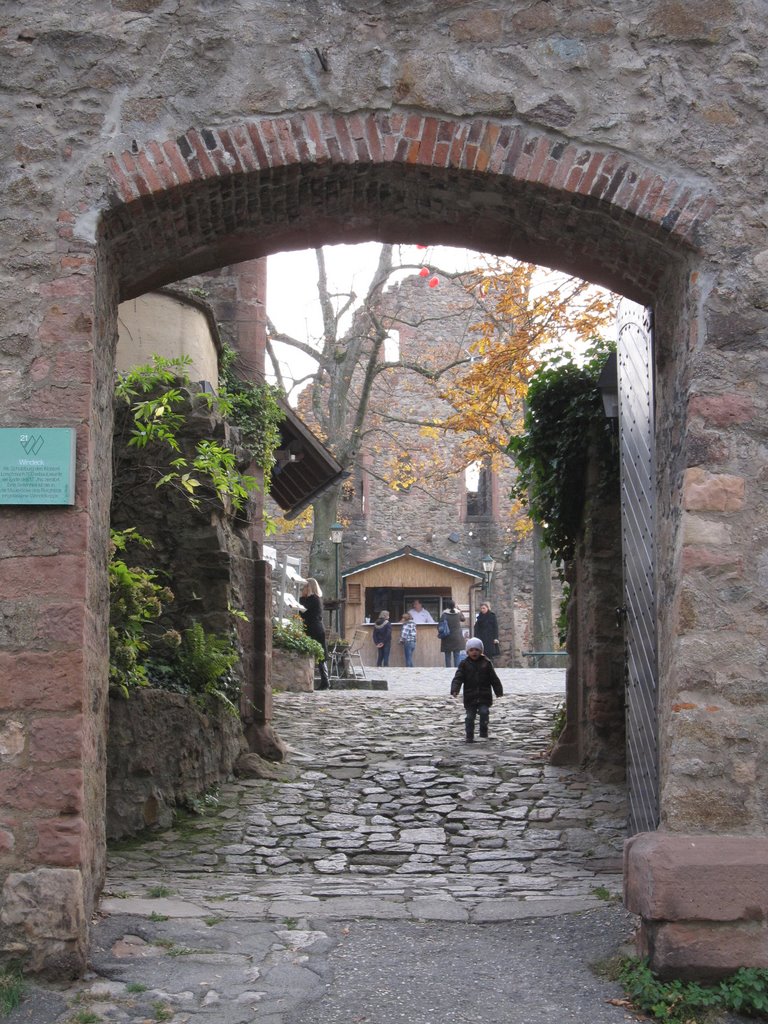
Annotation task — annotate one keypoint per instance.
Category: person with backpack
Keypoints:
(451, 635)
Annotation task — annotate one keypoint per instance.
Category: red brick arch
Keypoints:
(216, 196)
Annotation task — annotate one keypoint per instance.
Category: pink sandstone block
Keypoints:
(712, 492)
(60, 842)
(56, 739)
(722, 410)
(707, 951)
(670, 877)
(59, 790)
(42, 680)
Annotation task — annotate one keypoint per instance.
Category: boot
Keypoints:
(324, 683)
(484, 728)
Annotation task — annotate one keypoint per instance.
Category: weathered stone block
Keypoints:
(722, 410)
(56, 739)
(43, 918)
(705, 532)
(292, 672)
(705, 950)
(60, 842)
(58, 790)
(712, 492)
(12, 741)
(670, 877)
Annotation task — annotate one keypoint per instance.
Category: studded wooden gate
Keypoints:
(638, 508)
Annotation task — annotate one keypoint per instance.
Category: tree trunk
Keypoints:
(322, 554)
(543, 635)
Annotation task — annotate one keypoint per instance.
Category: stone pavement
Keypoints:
(385, 828)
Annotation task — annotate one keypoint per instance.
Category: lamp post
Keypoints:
(489, 564)
(337, 531)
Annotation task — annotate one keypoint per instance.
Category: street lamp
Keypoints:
(608, 386)
(489, 564)
(337, 531)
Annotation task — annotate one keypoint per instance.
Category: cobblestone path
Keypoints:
(383, 847)
(384, 806)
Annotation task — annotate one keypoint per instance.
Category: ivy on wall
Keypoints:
(254, 408)
(564, 417)
(158, 403)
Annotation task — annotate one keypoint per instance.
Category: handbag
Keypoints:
(443, 629)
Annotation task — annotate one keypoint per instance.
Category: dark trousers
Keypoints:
(382, 655)
(322, 668)
(469, 722)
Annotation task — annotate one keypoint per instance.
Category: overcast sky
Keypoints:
(292, 302)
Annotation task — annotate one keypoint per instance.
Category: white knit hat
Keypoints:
(475, 642)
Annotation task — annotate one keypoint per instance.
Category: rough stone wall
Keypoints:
(623, 142)
(164, 753)
(594, 734)
(197, 552)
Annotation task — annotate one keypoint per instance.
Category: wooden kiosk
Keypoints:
(392, 582)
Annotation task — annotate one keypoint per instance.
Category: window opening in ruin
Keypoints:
(392, 347)
(478, 490)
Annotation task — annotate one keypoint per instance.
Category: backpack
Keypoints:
(443, 629)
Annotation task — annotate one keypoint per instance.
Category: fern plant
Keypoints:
(198, 664)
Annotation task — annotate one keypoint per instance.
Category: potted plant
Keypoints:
(294, 655)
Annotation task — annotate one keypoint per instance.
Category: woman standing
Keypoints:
(487, 630)
(408, 638)
(452, 645)
(312, 615)
(382, 637)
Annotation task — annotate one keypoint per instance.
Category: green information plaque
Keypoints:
(37, 466)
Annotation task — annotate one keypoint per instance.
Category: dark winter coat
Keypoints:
(479, 680)
(455, 639)
(312, 617)
(487, 630)
(382, 633)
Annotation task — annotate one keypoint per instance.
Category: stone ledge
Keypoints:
(710, 950)
(338, 683)
(702, 900)
(696, 877)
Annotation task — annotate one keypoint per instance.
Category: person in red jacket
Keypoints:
(478, 677)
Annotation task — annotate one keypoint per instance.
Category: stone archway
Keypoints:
(463, 122)
(215, 197)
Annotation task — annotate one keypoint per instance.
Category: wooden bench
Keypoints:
(536, 656)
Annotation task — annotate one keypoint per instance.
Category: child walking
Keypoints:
(408, 638)
(478, 677)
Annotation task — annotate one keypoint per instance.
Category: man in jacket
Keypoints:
(478, 677)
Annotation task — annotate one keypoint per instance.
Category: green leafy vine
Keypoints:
(688, 1002)
(255, 409)
(564, 417)
(157, 402)
(136, 602)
